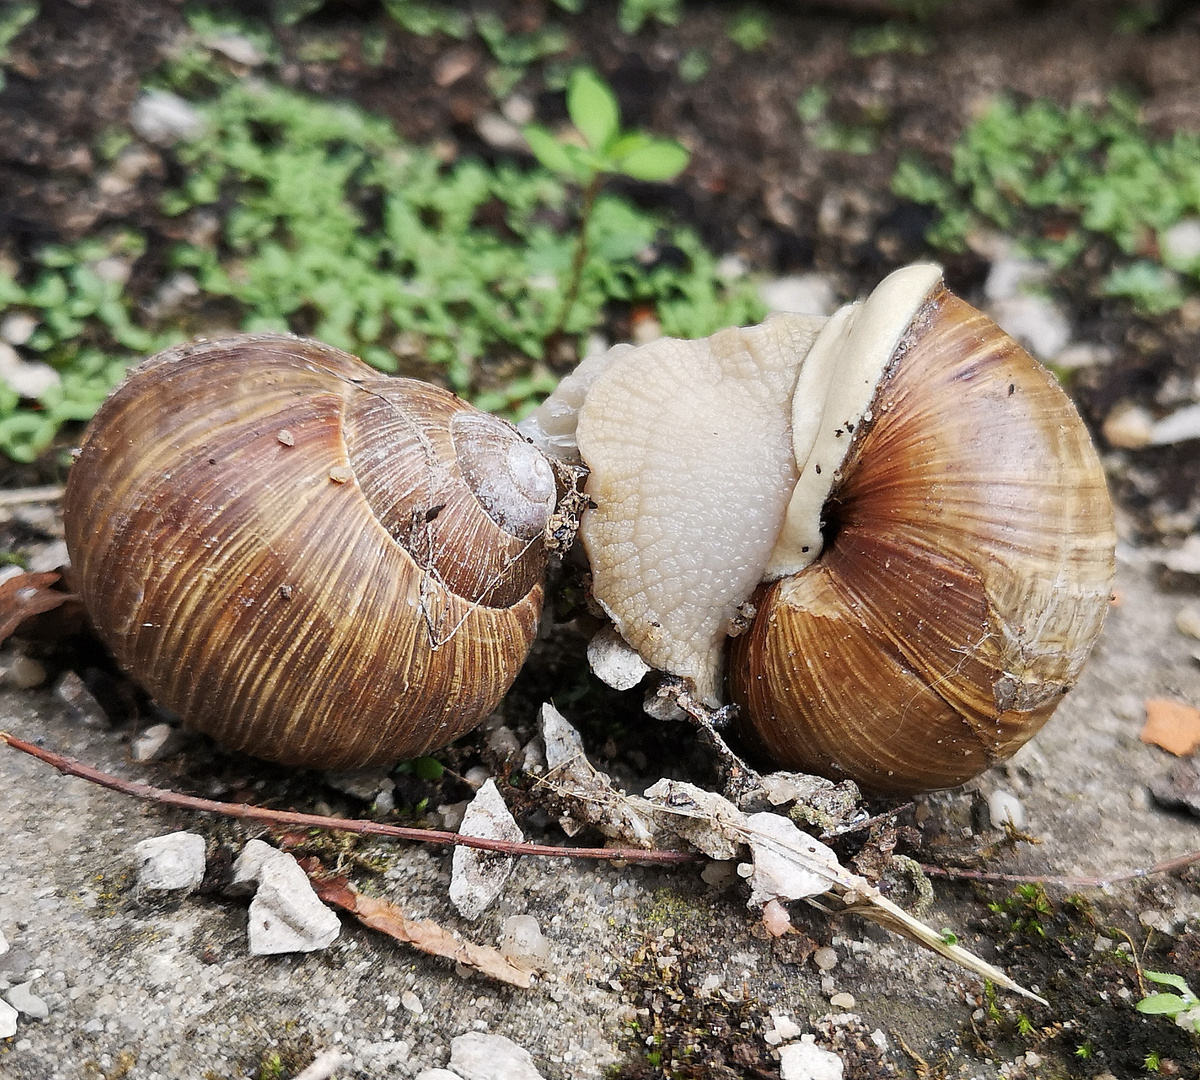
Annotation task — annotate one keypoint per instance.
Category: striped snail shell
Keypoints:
(896, 514)
(307, 560)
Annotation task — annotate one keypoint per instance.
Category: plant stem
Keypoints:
(581, 251)
(71, 767)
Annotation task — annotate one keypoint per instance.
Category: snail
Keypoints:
(885, 536)
(896, 514)
(308, 560)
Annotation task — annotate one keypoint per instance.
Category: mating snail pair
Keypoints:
(896, 511)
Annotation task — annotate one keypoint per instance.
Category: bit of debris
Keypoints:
(72, 691)
(477, 877)
(426, 935)
(589, 794)
(804, 1060)
(157, 742)
(285, 914)
(478, 1056)
(173, 861)
(1172, 725)
(614, 661)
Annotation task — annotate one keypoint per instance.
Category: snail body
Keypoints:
(909, 540)
(307, 560)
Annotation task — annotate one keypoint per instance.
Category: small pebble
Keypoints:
(477, 1056)
(477, 877)
(1181, 243)
(248, 866)
(3, 944)
(1155, 920)
(785, 1027)
(825, 958)
(156, 743)
(1188, 620)
(503, 742)
(1032, 1060)
(801, 294)
(73, 692)
(8, 1020)
(163, 118)
(1004, 806)
(437, 1074)
(25, 673)
(285, 914)
(1179, 426)
(1035, 321)
(522, 941)
(173, 861)
(239, 49)
(842, 1001)
(804, 1060)
(412, 1003)
(477, 776)
(17, 328)
(1128, 426)
(503, 134)
(24, 1000)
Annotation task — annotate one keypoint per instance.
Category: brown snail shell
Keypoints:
(307, 560)
(967, 568)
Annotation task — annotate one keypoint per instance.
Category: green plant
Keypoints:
(826, 134)
(76, 295)
(889, 37)
(750, 29)
(633, 14)
(1153, 1061)
(606, 150)
(515, 52)
(13, 19)
(330, 225)
(1183, 1007)
(425, 20)
(1026, 169)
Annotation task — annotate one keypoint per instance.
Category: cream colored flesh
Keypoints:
(704, 463)
(689, 444)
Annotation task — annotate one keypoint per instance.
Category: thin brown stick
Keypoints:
(71, 767)
(1166, 867)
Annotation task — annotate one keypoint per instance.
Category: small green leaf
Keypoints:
(548, 150)
(659, 161)
(428, 768)
(1169, 1004)
(593, 108)
(1166, 978)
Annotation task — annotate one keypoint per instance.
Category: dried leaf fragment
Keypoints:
(425, 934)
(1172, 725)
(25, 596)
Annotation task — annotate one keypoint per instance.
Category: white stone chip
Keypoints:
(1187, 621)
(801, 294)
(173, 861)
(477, 877)
(157, 742)
(804, 1060)
(8, 1020)
(614, 661)
(1177, 427)
(248, 865)
(1181, 244)
(522, 941)
(437, 1074)
(163, 118)
(478, 1056)
(285, 914)
(26, 378)
(24, 1000)
(3, 944)
(1005, 807)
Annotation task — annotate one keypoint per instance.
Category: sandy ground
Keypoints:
(144, 987)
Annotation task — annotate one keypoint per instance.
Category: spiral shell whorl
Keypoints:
(223, 527)
(967, 572)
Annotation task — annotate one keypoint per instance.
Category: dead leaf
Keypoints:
(1172, 725)
(26, 595)
(425, 935)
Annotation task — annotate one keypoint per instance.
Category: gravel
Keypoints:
(168, 979)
